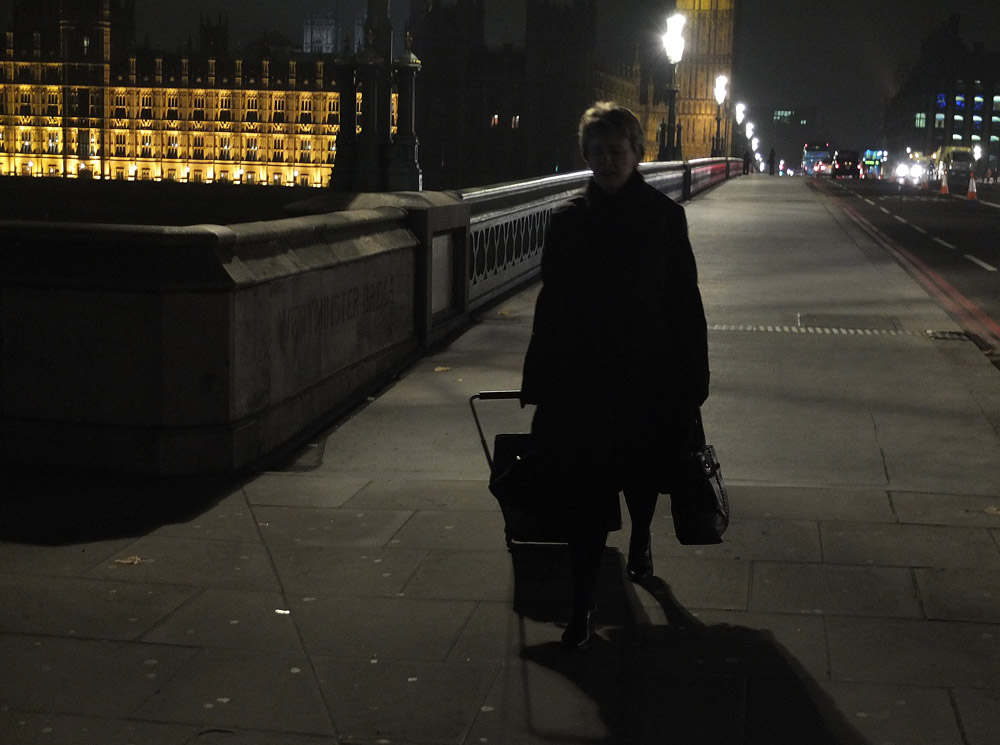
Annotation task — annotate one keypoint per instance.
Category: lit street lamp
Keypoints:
(720, 96)
(673, 46)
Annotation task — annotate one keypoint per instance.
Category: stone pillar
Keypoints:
(403, 166)
(367, 171)
(342, 177)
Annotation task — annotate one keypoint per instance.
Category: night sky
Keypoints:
(843, 56)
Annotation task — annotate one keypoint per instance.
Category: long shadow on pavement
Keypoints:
(53, 509)
(680, 682)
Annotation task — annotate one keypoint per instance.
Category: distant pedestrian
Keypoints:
(747, 160)
(618, 358)
(771, 156)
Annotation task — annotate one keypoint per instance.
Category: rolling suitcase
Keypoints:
(526, 520)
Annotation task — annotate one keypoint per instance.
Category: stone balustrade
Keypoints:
(208, 348)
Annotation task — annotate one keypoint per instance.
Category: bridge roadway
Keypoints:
(362, 592)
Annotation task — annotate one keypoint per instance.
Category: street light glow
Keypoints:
(720, 89)
(749, 130)
(673, 42)
(741, 112)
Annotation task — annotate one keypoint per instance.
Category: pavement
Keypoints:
(361, 591)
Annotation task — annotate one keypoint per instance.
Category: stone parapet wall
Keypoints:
(209, 348)
(174, 350)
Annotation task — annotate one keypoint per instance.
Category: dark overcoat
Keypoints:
(618, 358)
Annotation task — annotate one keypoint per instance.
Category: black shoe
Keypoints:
(578, 631)
(640, 561)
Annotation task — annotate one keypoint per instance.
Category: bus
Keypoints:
(816, 157)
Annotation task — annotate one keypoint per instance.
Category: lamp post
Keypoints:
(673, 46)
(720, 96)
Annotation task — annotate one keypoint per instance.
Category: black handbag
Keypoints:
(699, 502)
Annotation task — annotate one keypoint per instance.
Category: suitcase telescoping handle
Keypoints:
(488, 396)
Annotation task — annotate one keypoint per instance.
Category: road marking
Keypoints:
(981, 263)
(885, 210)
(901, 220)
(869, 201)
(920, 229)
(945, 243)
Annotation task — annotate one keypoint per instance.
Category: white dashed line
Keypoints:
(885, 210)
(901, 219)
(981, 263)
(920, 229)
(944, 243)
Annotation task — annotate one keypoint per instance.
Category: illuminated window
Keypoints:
(173, 105)
(198, 114)
(120, 145)
(146, 105)
(920, 120)
(171, 146)
(147, 146)
(53, 143)
(515, 123)
(225, 149)
(977, 103)
(252, 148)
(960, 103)
(279, 150)
(783, 116)
(495, 120)
(198, 148)
(939, 121)
(942, 101)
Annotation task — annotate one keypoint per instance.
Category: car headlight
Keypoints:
(916, 170)
(902, 170)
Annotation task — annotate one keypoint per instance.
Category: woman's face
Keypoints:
(612, 160)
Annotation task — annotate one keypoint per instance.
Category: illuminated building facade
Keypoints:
(77, 99)
(950, 97)
(708, 53)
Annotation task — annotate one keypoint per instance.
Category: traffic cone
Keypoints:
(972, 187)
(944, 182)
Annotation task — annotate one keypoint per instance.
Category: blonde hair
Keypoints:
(609, 118)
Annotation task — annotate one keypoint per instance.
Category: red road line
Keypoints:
(969, 315)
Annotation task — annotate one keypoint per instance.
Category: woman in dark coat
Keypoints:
(618, 359)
